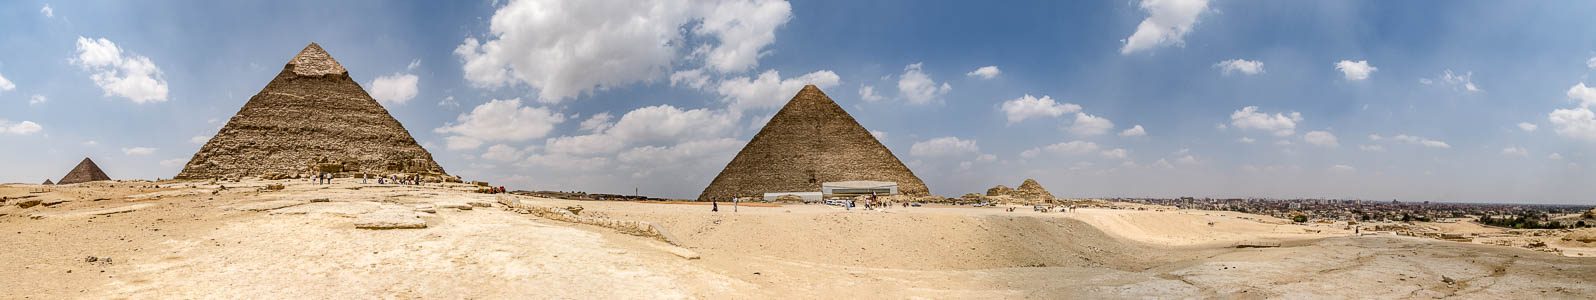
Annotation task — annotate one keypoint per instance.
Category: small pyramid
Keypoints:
(86, 171)
(48, 182)
(1030, 190)
(311, 116)
(810, 141)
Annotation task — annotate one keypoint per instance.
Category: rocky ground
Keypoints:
(198, 240)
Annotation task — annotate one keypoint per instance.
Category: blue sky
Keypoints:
(1283, 99)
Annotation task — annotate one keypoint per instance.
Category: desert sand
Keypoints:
(195, 239)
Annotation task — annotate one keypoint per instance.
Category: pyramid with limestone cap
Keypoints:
(310, 116)
(810, 141)
(86, 171)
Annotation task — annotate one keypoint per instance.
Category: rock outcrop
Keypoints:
(310, 116)
(1000, 190)
(1029, 193)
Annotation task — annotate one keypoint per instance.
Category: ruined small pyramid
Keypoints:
(1032, 191)
(48, 182)
(312, 114)
(86, 171)
(810, 141)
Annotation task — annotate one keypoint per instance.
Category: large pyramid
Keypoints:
(86, 171)
(312, 114)
(809, 142)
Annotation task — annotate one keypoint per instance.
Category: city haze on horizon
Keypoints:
(1459, 102)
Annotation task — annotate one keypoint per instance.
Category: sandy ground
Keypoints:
(197, 240)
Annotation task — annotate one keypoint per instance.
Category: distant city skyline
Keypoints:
(1443, 101)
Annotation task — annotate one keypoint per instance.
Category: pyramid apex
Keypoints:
(313, 61)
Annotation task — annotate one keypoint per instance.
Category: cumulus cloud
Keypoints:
(47, 11)
(1167, 23)
(449, 103)
(499, 120)
(138, 151)
(987, 72)
(131, 76)
(1072, 147)
(1321, 138)
(881, 136)
(1371, 148)
(394, 89)
(1591, 63)
(36, 99)
(503, 153)
(19, 128)
(199, 139)
(1116, 153)
(695, 78)
(565, 48)
(598, 122)
(1134, 131)
(1025, 107)
(1247, 140)
(917, 87)
(1461, 82)
(1358, 70)
(1527, 126)
(1578, 123)
(1089, 125)
(769, 90)
(6, 85)
(653, 125)
(1585, 95)
(868, 94)
(1278, 123)
(943, 147)
(1249, 67)
(1518, 151)
(1412, 140)
(1554, 156)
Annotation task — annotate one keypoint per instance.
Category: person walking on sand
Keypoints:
(714, 206)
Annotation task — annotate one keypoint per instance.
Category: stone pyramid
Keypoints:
(310, 116)
(1030, 190)
(86, 171)
(48, 182)
(810, 141)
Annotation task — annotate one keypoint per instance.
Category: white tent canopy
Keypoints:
(859, 187)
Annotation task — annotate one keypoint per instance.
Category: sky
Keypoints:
(1450, 101)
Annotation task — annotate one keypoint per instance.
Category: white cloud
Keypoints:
(134, 77)
(503, 153)
(138, 151)
(91, 143)
(6, 85)
(868, 94)
(881, 136)
(1027, 106)
(416, 63)
(1247, 140)
(1343, 169)
(917, 87)
(1186, 160)
(1527, 126)
(1554, 156)
(1134, 131)
(1585, 95)
(1089, 125)
(1358, 70)
(1283, 143)
(1321, 138)
(986, 158)
(19, 128)
(1167, 23)
(47, 11)
(987, 72)
(36, 99)
(694, 78)
(1462, 82)
(394, 89)
(1519, 151)
(499, 120)
(1072, 147)
(1280, 124)
(199, 139)
(769, 90)
(653, 125)
(1032, 153)
(565, 48)
(1591, 63)
(943, 147)
(1578, 123)
(1116, 153)
(1249, 67)
(175, 162)
(1371, 148)
(598, 122)
(1413, 140)
(449, 102)
(1163, 164)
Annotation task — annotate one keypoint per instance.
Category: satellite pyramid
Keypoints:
(312, 114)
(48, 182)
(86, 171)
(809, 142)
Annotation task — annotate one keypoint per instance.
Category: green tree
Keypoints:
(1299, 218)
